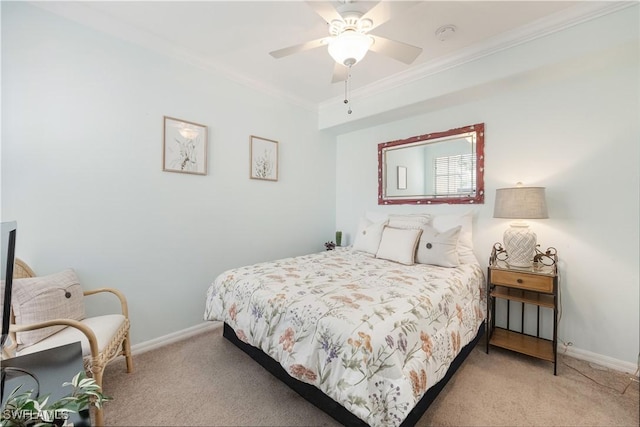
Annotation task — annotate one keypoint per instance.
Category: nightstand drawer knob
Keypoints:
(519, 281)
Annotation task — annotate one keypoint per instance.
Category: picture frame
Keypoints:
(263, 158)
(402, 178)
(184, 147)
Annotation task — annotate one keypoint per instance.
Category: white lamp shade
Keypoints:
(349, 47)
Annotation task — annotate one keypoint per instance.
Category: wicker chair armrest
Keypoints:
(91, 336)
(116, 292)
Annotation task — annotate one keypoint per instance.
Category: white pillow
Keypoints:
(465, 241)
(368, 237)
(374, 216)
(38, 299)
(409, 220)
(437, 248)
(399, 244)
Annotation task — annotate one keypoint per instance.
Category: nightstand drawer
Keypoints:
(532, 282)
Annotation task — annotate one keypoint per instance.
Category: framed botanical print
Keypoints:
(263, 158)
(184, 147)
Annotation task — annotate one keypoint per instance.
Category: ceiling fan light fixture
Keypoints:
(349, 47)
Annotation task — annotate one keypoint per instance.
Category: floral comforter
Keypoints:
(372, 334)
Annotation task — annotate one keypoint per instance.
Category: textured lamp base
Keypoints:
(520, 244)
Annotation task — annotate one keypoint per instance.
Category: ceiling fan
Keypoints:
(350, 40)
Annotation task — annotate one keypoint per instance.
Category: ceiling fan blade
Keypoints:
(385, 10)
(340, 73)
(394, 49)
(299, 47)
(325, 9)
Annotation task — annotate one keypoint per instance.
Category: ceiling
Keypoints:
(235, 37)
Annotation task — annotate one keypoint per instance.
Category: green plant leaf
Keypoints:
(85, 393)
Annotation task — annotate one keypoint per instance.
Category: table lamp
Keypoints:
(520, 203)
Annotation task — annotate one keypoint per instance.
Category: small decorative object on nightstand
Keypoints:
(329, 246)
(536, 286)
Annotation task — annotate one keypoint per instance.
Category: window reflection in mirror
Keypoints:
(442, 167)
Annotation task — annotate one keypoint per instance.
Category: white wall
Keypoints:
(81, 166)
(570, 125)
(81, 170)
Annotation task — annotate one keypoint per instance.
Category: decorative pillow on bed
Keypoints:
(399, 244)
(465, 241)
(376, 216)
(437, 248)
(409, 220)
(368, 237)
(38, 299)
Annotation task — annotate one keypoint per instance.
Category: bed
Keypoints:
(369, 340)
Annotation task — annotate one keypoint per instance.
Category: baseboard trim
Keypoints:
(174, 337)
(587, 356)
(598, 359)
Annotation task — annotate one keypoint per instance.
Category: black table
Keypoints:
(52, 367)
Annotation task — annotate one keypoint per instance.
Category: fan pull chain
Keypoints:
(347, 91)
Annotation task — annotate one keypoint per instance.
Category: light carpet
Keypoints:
(206, 381)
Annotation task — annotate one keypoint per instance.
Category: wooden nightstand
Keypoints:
(535, 286)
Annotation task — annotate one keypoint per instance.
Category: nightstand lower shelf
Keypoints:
(526, 344)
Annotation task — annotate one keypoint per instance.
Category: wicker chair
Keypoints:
(99, 346)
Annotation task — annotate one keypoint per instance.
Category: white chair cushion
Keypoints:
(105, 327)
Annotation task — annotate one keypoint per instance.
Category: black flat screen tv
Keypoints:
(7, 257)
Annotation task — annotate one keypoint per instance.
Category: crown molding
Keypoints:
(83, 13)
(567, 18)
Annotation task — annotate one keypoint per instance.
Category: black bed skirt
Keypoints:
(330, 406)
